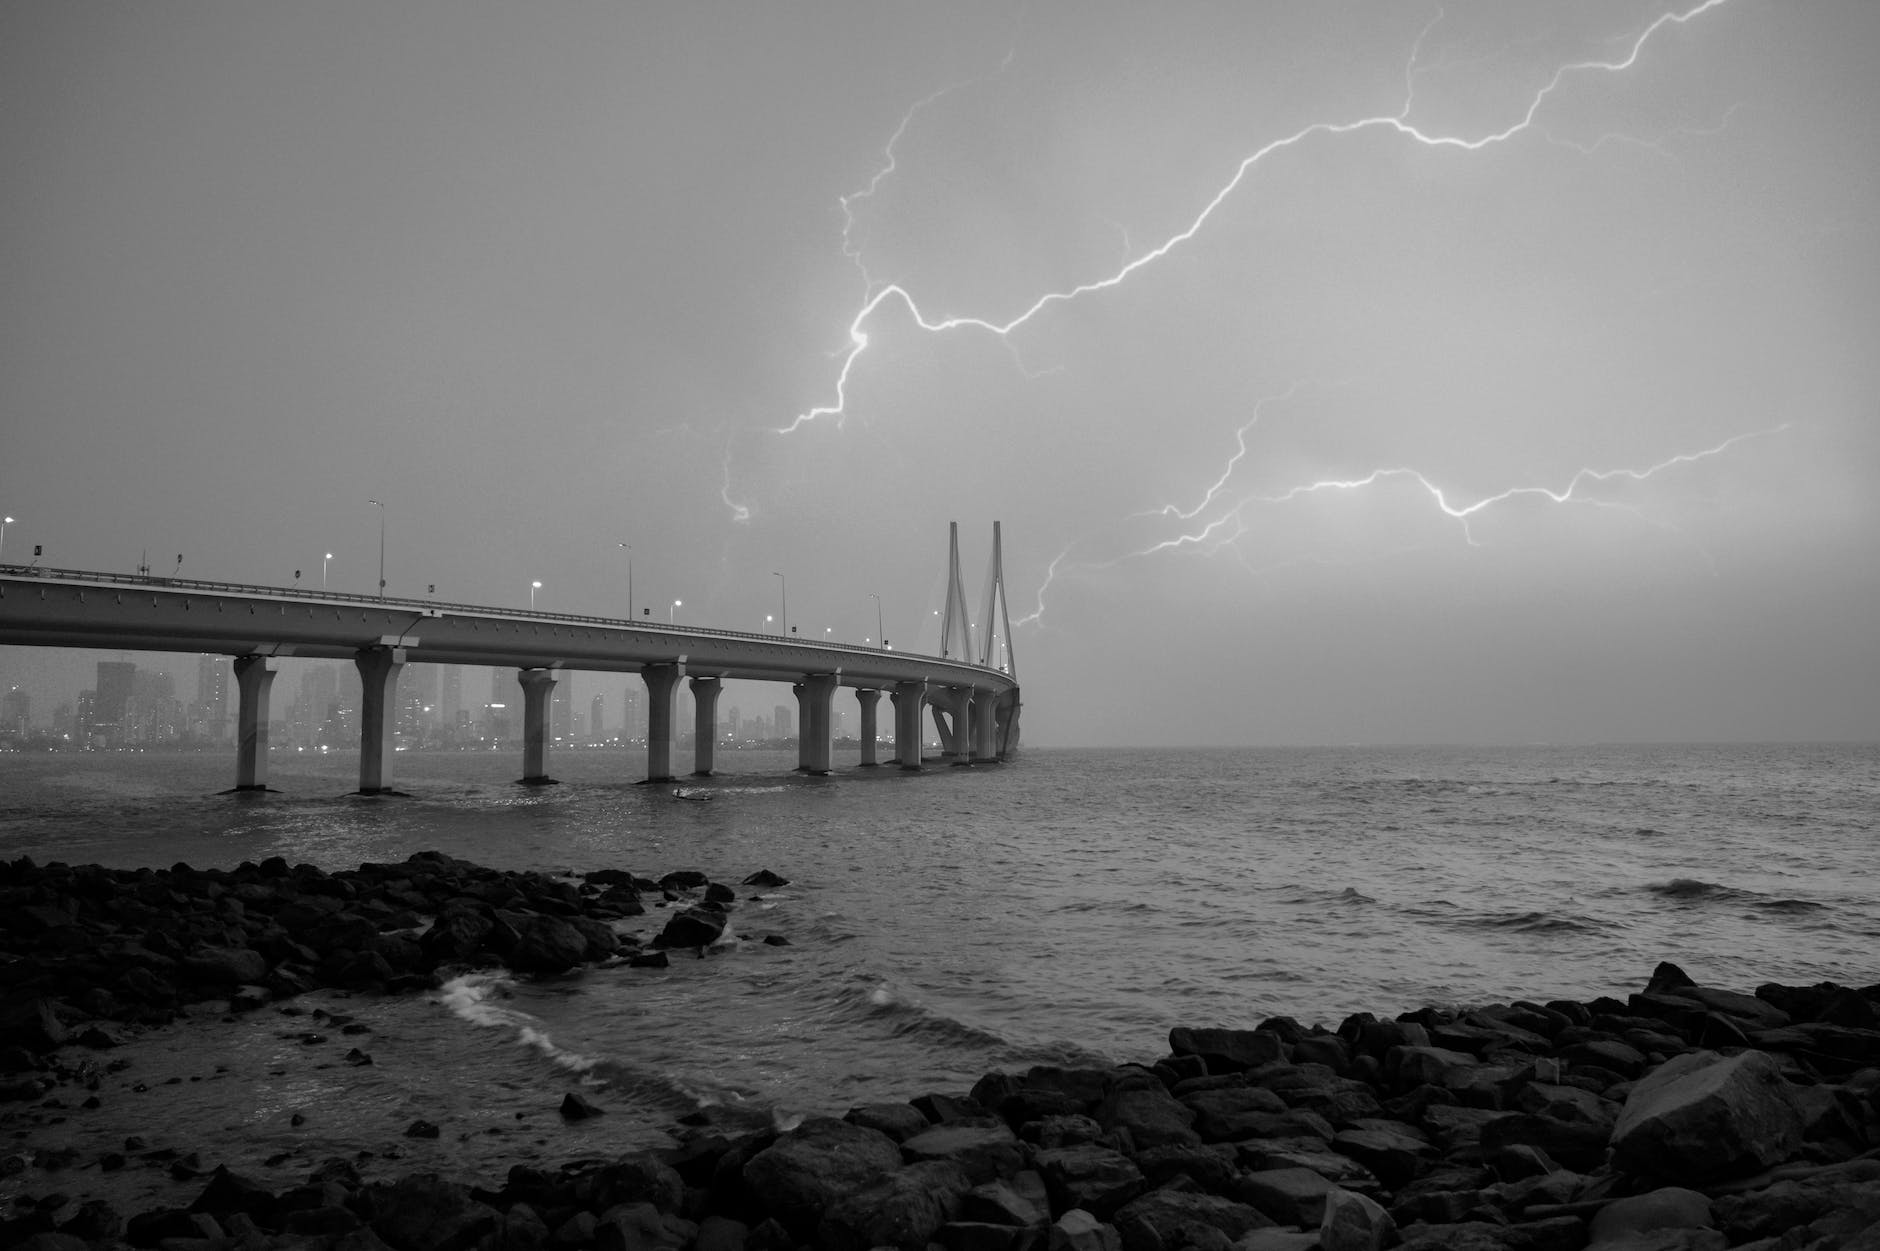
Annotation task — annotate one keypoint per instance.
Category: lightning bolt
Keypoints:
(1398, 123)
(1222, 532)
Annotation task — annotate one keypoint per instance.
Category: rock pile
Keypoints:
(90, 944)
(1685, 1118)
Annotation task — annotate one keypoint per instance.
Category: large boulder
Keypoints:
(424, 1212)
(1227, 1050)
(807, 1169)
(1353, 1222)
(901, 1209)
(694, 927)
(1234, 1112)
(983, 1152)
(225, 966)
(1152, 1116)
(1167, 1220)
(1701, 1116)
(1088, 1176)
(546, 945)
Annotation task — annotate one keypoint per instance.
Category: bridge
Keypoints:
(974, 701)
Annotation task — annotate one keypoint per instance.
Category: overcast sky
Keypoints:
(547, 278)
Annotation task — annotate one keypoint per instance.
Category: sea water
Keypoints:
(1067, 908)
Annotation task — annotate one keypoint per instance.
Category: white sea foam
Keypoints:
(471, 997)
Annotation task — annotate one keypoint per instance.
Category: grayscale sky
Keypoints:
(547, 278)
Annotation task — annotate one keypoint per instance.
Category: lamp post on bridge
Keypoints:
(628, 580)
(672, 614)
(878, 629)
(381, 547)
(533, 588)
(783, 583)
(4, 523)
(324, 562)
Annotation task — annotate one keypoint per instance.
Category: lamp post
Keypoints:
(533, 588)
(672, 614)
(381, 547)
(878, 629)
(783, 584)
(4, 523)
(629, 551)
(767, 620)
(324, 562)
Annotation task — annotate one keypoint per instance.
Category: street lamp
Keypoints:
(4, 523)
(672, 614)
(629, 548)
(767, 620)
(878, 630)
(783, 583)
(381, 547)
(324, 562)
(533, 588)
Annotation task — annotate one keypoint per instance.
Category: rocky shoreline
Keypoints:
(1683, 1116)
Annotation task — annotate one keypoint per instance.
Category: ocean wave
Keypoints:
(476, 998)
(1532, 922)
(1695, 890)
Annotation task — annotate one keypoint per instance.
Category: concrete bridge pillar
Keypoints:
(538, 689)
(815, 702)
(909, 698)
(704, 724)
(955, 739)
(985, 725)
(868, 699)
(254, 675)
(662, 683)
(378, 703)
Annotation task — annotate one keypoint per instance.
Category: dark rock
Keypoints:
(683, 879)
(1088, 1176)
(1224, 1115)
(1020, 1200)
(575, 1107)
(941, 1109)
(694, 927)
(901, 1209)
(1167, 1220)
(1152, 1116)
(982, 1152)
(421, 1129)
(648, 960)
(1670, 1208)
(423, 1212)
(1353, 1222)
(1079, 1230)
(545, 944)
(1292, 1196)
(899, 1121)
(225, 966)
(1701, 1116)
(1394, 1152)
(231, 1192)
(1227, 1050)
(805, 1170)
(32, 1024)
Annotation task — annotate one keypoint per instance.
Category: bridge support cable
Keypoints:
(538, 691)
(908, 699)
(662, 684)
(868, 699)
(378, 681)
(997, 613)
(705, 693)
(254, 678)
(955, 621)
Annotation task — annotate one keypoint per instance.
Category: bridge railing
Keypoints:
(432, 606)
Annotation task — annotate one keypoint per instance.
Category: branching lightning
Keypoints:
(1398, 123)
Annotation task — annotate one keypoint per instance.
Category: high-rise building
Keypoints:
(209, 714)
(597, 722)
(16, 712)
(633, 720)
(561, 706)
(780, 721)
(84, 716)
(112, 698)
(450, 695)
